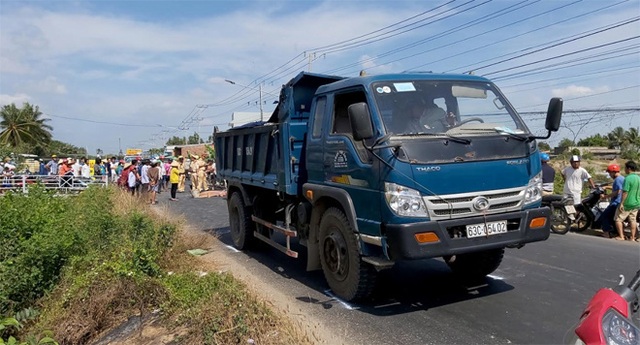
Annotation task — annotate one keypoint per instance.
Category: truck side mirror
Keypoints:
(554, 114)
(360, 121)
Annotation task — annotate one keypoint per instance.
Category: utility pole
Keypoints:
(261, 114)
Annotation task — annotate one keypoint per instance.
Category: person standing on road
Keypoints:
(132, 176)
(615, 196)
(573, 176)
(174, 179)
(154, 181)
(630, 201)
(42, 170)
(182, 175)
(548, 174)
(52, 166)
(144, 179)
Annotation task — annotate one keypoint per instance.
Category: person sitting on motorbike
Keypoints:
(573, 176)
(548, 175)
(615, 196)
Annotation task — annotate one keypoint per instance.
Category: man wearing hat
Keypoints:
(573, 176)
(181, 171)
(52, 165)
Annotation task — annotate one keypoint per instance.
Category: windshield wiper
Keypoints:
(499, 130)
(448, 136)
(511, 134)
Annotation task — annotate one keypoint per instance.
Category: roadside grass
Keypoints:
(90, 262)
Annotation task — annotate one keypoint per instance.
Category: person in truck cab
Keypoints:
(408, 119)
(435, 118)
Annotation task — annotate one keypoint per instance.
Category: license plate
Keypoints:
(570, 209)
(478, 230)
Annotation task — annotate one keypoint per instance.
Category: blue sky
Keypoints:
(134, 72)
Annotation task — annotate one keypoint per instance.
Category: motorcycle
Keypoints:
(588, 211)
(566, 216)
(611, 317)
(562, 212)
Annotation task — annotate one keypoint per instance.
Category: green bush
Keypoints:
(40, 234)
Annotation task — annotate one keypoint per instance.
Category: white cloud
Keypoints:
(18, 99)
(50, 85)
(577, 91)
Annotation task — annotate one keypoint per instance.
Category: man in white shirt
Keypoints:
(144, 178)
(76, 168)
(573, 176)
(85, 171)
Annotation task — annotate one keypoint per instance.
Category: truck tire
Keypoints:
(476, 265)
(240, 224)
(349, 277)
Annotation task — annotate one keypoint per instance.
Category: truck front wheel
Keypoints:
(475, 265)
(241, 226)
(348, 276)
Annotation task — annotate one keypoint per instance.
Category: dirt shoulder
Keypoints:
(219, 258)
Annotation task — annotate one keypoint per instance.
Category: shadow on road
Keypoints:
(407, 287)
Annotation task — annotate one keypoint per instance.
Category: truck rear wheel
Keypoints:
(476, 265)
(348, 276)
(241, 226)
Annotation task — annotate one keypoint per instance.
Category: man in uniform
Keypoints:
(181, 172)
(202, 175)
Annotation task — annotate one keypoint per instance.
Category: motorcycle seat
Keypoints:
(551, 198)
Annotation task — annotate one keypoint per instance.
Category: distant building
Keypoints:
(240, 118)
(194, 149)
(598, 152)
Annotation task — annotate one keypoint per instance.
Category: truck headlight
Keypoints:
(534, 190)
(404, 201)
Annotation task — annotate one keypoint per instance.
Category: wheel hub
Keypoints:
(335, 254)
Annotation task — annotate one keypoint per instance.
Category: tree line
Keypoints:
(625, 140)
(24, 130)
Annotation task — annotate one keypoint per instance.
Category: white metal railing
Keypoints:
(61, 184)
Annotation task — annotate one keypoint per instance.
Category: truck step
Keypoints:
(378, 263)
(276, 245)
(286, 232)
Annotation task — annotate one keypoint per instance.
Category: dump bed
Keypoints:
(270, 155)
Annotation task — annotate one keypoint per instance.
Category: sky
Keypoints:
(113, 75)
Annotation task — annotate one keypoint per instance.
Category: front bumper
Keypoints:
(452, 235)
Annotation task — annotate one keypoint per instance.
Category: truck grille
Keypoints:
(461, 205)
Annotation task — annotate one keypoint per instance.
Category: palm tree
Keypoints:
(23, 126)
(632, 137)
(616, 137)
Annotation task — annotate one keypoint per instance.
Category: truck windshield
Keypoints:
(433, 108)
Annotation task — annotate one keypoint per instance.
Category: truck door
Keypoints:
(348, 165)
(315, 166)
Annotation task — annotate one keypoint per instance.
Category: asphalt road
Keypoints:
(535, 297)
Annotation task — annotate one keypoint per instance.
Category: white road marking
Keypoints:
(232, 248)
(344, 304)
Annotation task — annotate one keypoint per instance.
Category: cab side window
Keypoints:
(318, 117)
(341, 123)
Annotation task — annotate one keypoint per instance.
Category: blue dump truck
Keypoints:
(371, 170)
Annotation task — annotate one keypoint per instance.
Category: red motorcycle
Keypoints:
(611, 317)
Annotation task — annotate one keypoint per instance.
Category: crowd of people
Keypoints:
(624, 198)
(141, 177)
(148, 177)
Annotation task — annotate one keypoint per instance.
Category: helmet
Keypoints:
(574, 158)
(544, 157)
(613, 168)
